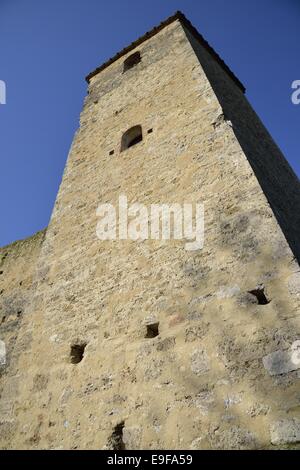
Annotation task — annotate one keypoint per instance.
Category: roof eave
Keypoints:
(177, 16)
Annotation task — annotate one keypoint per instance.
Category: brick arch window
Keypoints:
(131, 61)
(131, 137)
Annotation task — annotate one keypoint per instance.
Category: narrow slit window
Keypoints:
(133, 136)
(116, 439)
(131, 61)
(77, 352)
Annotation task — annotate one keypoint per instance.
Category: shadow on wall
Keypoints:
(279, 183)
(242, 393)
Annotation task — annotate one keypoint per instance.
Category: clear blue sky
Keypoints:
(47, 47)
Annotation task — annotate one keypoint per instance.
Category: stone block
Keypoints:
(285, 431)
(199, 362)
(282, 362)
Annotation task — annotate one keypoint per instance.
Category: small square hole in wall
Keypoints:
(116, 439)
(149, 131)
(131, 61)
(260, 295)
(111, 152)
(77, 352)
(152, 330)
(1, 272)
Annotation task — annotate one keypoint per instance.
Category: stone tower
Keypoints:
(142, 344)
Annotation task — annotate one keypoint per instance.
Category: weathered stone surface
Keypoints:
(205, 401)
(165, 344)
(226, 292)
(132, 437)
(294, 284)
(199, 362)
(285, 431)
(233, 438)
(258, 409)
(17, 264)
(282, 362)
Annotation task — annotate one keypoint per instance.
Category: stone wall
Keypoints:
(222, 372)
(278, 181)
(17, 270)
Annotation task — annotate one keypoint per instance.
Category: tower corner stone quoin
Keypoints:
(122, 344)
